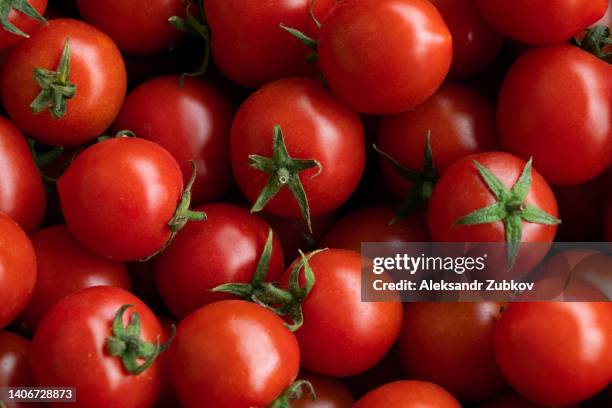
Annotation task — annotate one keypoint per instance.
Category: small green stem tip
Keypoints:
(294, 392)
(23, 6)
(595, 41)
(196, 25)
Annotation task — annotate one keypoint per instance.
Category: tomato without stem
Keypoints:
(83, 83)
(330, 393)
(15, 368)
(198, 131)
(408, 394)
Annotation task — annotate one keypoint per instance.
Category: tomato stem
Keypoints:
(304, 39)
(23, 6)
(294, 392)
(595, 41)
(192, 25)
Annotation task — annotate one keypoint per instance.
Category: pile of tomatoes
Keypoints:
(185, 186)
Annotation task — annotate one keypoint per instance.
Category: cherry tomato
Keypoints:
(371, 224)
(119, 195)
(134, 28)
(451, 344)
(510, 400)
(549, 109)
(17, 270)
(330, 393)
(198, 131)
(248, 44)
(555, 353)
(22, 195)
(64, 267)
(541, 21)
(315, 126)
(20, 21)
(15, 368)
(341, 335)
(408, 394)
(71, 347)
(384, 56)
(232, 354)
(81, 102)
(224, 248)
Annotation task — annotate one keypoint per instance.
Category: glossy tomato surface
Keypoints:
(408, 394)
(232, 354)
(15, 368)
(24, 23)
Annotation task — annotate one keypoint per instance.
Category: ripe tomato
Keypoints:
(555, 353)
(451, 344)
(15, 368)
(531, 21)
(371, 224)
(319, 132)
(384, 56)
(64, 267)
(119, 197)
(341, 335)
(21, 21)
(249, 46)
(224, 248)
(87, 90)
(408, 394)
(22, 195)
(549, 109)
(17, 270)
(198, 131)
(330, 393)
(135, 29)
(72, 347)
(232, 354)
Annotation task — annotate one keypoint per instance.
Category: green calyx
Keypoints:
(195, 25)
(56, 87)
(121, 133)
(595, 41)
(510, 208)
(303, 38)
(284, 171)
(125, 343)
(423, 181)
(22, 6)
(294, 392)
(283, 302)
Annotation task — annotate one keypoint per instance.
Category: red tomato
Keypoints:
(330, 393)
(408, 394)
(232, 354)
(451, 344)
(249, 46)
(224, 248)
(134, 28)
(118, 197)
(198, 131)
(15, 368)
(475, 43)
(71, 349)
(555, 354)
(21, 25)
(510, 400)
(384, 56)
(549, 109)
(371, 224)
(341, 335)
(22, 194)
(608, 220)
(64, 267)
(97, 75)
(316, 126)
(17, 270)
(461, 122)
(531, 21)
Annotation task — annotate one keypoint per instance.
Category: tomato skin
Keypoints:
(96, 68)
(384, 56)
(342, 336)
(330, 394)
(22, 22)
(144, 32)
(17, 270)
(118, 196)
(531, 21)
(198, 131)
(316, 126)
(69, 349)
(549, 109)
(64, 267)
(232, 354)
(223, 249)
(22, 194)
(15, 368)
(555, 354)
(451, 344)
(461, 121)
(408, 394)
(249, 46)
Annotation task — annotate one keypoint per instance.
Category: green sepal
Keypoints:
(294, 392)
(304, 39)
(23, 6)
(192, 25)
(595, 41)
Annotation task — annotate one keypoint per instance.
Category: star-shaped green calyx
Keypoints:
(597, 41)
(510, 208)
(23, 6)
(284, 171)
